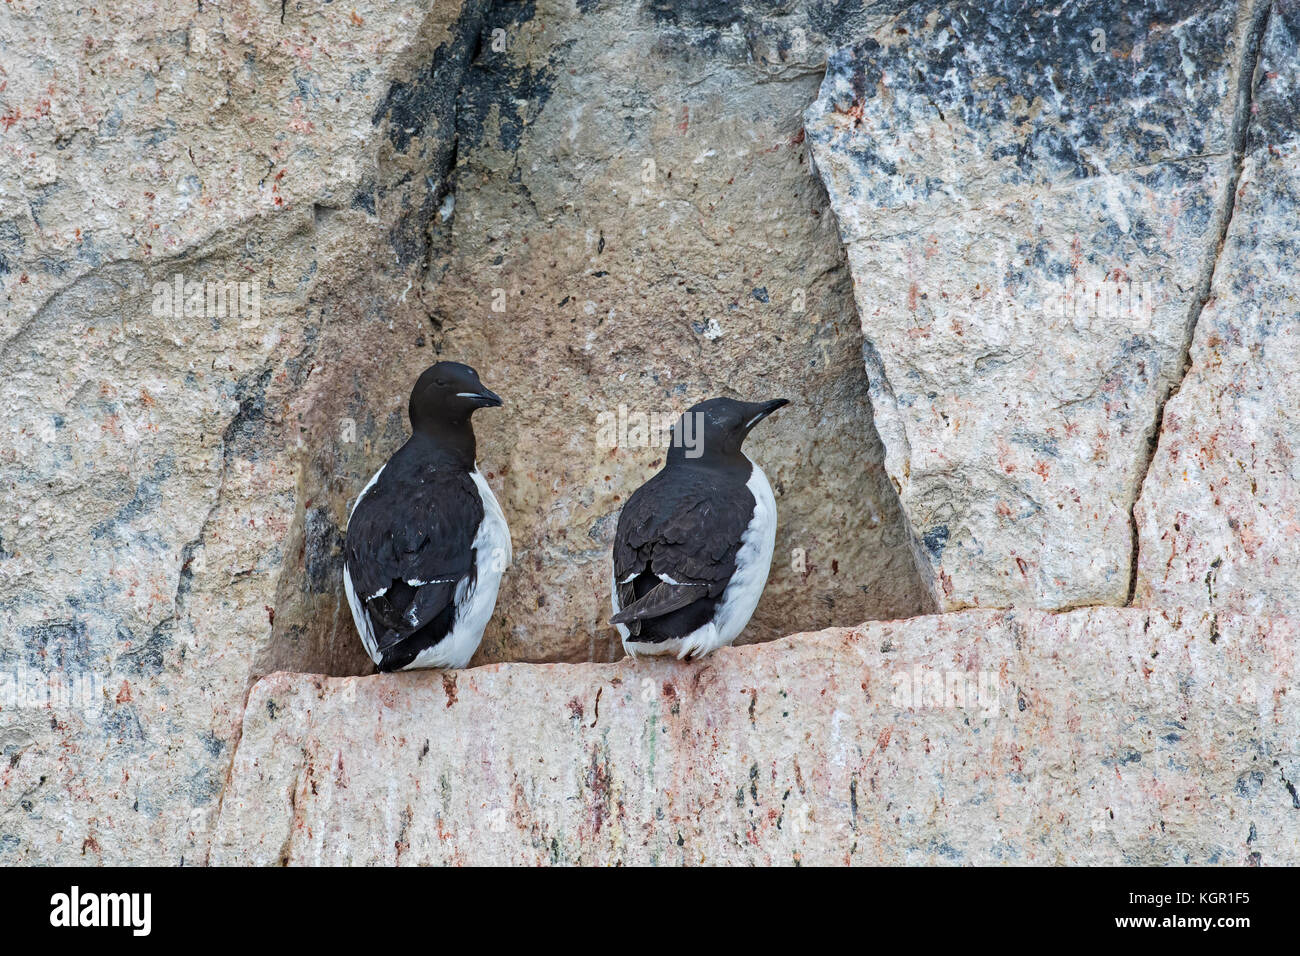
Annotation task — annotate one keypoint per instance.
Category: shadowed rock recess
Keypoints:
(610, 207)
(630, 226)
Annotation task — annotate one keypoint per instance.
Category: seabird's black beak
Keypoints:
(760, 410)
(485, 398)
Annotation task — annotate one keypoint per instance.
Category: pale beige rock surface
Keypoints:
(148, 454)
(1098, 736)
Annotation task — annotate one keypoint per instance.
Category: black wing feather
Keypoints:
(409, 547)
(685, 524)
(663, 598)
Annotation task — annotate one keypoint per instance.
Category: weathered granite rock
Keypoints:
(1103, 735)
(1031, 198)
(607, 203)
(632, 227)
(1220, 510)
(150, 440)
(177, 479)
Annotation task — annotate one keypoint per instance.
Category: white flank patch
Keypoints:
(359, 616)
(369, 484)
(623, 632)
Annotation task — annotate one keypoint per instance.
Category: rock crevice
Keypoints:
(1217, 508)
(1247, 79)
(1018, 191)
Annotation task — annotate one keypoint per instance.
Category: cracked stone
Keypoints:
(149, 461)
(1029, 209)
(1221, 507)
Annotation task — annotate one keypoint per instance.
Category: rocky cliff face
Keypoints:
(1032, 204)
(1222, 493)
(152, 433)
(1027, 276)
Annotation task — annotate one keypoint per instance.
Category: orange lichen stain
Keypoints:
(854, 112)
(946, 582)
(449, 688)
(882, 742)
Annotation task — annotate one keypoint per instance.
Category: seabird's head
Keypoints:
(713, 431)
(446, 395)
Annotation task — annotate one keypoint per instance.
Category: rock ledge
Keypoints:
(1103, 735)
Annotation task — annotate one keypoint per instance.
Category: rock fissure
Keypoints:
(1240, 133)
(1044, 229)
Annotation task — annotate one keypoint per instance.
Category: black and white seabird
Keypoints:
(694, 543)
(427, 542)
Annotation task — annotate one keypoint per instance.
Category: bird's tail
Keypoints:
(663, 598)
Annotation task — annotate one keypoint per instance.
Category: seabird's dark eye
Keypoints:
(440, 383)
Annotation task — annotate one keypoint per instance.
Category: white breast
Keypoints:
(753, 561)
(474, 605)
